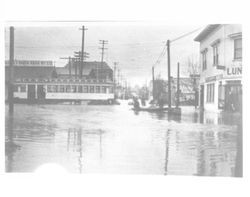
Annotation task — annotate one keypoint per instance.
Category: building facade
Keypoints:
(220, 82)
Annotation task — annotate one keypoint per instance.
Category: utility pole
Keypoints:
(178, 85)
(169, 76)
(11, 72)
(102, 42)
(82, 54)
(153, 82)
(118, 76)
(70, 63)
(78, 56)
(114, 77)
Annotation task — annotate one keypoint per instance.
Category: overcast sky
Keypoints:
(136, 46)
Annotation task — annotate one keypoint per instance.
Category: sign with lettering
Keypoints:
(234, 71)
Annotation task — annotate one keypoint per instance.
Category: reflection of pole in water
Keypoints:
(79, 143)
(9, 144)
(201, 156)
(239, 155)
(100, 144)
(68, 140)
(166, 153)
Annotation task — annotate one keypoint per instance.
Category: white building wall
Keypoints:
(226, 58)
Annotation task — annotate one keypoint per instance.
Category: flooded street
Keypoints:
(115, 139)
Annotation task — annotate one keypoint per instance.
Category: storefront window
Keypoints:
(210, 93)
(233, 100)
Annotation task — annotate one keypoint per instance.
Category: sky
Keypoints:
(135, 46)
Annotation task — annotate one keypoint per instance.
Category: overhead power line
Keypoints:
(185, 35)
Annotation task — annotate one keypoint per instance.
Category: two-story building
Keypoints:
(221, 67)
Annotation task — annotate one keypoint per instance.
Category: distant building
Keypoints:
(221, 67)
(48, 83)
(90, 70)
(187, 93)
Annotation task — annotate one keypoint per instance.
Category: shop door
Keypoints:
(31, 92)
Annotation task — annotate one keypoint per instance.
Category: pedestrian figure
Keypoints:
(136, 103)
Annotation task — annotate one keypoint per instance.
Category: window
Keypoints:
(85, 89)
(204, 59)
(103, 89)
(238, 48)
(68, 88)
(73, 88)
(210, 93)
(98, 89)
(92, 89)
(111, 90)
(80, 89)
(23, 88)
(49, 88)
(61, 88)
(215, 54)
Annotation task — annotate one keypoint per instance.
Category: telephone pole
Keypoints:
(82, 54)
(178, 86)
(114, 77)
(79, 56)
(70, 63)
(102, 42)
(153, 82)
(169, 76)
(11, 72)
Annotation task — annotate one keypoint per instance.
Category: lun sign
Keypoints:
(234, 71)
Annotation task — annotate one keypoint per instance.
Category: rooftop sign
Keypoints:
(30, 63)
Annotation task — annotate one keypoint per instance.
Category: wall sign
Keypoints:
(234, 71)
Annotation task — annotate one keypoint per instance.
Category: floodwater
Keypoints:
(115, 139)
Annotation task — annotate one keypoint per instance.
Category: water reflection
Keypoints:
(101, 139)
(10, 145)
(75, 143)
(166, 156)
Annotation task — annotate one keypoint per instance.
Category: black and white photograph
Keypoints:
(132, 98)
